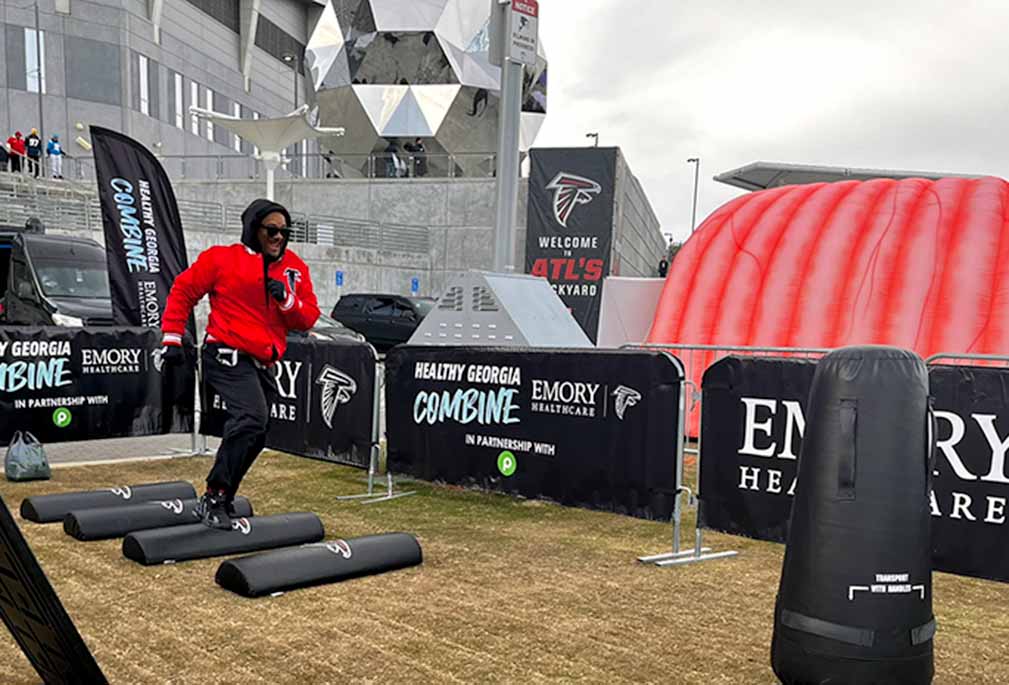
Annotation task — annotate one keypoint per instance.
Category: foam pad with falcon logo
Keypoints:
(855, 601)
(104, 523)
(53, 508)
(316, 564)
(197, 541)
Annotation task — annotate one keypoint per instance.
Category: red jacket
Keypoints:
(241, 315)
(17, 145)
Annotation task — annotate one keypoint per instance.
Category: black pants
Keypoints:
(15, 163)
(33, 166)
(247, 389)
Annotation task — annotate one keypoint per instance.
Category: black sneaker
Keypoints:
(212, 511)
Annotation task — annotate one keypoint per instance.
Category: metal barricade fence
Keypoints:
(696, 359)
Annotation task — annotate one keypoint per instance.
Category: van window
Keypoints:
(22, 275)
(70, 269)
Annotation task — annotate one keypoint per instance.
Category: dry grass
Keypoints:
(510, 591)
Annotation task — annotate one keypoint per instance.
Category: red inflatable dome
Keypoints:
(918, 264)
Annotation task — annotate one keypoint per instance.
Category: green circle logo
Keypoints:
(506, 463)
(62, 417)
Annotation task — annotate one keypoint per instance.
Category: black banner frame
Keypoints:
(675, 488)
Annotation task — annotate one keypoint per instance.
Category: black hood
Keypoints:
(254, 215)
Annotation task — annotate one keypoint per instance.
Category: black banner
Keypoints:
(570, 225)
(751, 433)
(65, 384)
(594, 429)
(143, 232)
(325, 402)
(35, 616)
(751, 430)
(971, 478)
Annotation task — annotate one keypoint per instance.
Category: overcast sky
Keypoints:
(899, 84)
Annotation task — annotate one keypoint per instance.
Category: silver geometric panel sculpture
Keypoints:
(396, 70)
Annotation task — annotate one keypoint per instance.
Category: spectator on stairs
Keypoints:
(16, 144)
(34, 150)
(54, 150)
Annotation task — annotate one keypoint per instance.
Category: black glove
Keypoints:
(173, 355)
(277, 290)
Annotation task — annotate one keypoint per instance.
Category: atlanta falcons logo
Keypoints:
(337, 388)
(242, 525)
(175, 506)
(626, 397)
(157, 360)
(125, 492)
(570, 191)
(293, 276)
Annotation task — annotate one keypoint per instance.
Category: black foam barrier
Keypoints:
(315, 564)
(52, 508)
(33, 613)
(104, 523)
(197, 541)
(855, 600)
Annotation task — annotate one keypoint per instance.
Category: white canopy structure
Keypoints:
(271, 136)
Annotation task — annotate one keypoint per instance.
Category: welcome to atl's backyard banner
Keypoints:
(751, 436)
(64, 384)
(594, 429)
(143, 232)
(570, 225)
(323, 404)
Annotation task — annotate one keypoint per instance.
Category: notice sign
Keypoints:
(524, 31)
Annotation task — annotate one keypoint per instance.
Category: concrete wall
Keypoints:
(638, 244)
(458, 214)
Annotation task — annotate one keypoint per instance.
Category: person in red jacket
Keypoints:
(259, 290)
(17, 148)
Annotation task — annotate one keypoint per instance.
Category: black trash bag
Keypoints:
(26, 459)
(855, 600)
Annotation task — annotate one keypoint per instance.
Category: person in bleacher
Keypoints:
(16, 145)
(54, 151)
(33, 148)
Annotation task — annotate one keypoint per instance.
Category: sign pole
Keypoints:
(515, 45)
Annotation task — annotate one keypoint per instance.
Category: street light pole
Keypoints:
(295, 62)
(595, 136)
(696, 161)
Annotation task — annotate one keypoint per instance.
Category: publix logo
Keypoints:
(507, 464)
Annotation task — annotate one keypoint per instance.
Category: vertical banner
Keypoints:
(143, 232)
(585, 428)
(570, 225)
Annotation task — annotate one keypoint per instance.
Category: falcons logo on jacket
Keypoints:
(337, 388)
(570, 191)
(626, 397)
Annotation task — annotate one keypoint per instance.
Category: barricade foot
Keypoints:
(680, 561)
(655, 558)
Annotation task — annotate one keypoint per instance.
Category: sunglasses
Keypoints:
(274, 231)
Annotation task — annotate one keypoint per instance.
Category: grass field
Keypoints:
(510, 591)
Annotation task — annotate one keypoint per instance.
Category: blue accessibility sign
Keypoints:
(414, 285)
(339, 278)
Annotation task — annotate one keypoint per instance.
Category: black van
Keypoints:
(52, 280)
